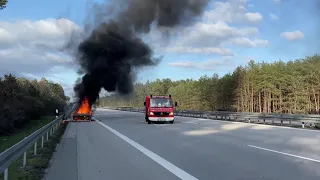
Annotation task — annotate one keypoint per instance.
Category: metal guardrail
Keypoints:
(301, 120)
(13, 153)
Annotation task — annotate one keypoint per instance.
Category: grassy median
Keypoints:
(36, 164)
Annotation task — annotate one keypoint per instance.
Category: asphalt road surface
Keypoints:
(123, 146)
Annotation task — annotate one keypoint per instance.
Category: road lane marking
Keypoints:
(202, 119)
(164, 163)
(191, 123)
(301, 157)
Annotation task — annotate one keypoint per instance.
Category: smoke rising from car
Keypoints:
(114, 50)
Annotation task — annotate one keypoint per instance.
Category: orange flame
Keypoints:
(84, 107)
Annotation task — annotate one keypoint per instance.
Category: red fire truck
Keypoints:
(159, 108)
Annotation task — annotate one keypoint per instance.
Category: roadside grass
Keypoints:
(29, 128)
(36, 164)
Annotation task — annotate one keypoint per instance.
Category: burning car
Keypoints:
(83, 113)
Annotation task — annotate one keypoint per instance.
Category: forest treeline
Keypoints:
(279, 87)
(22, 100)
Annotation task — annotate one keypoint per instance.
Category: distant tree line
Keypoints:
(279, 87)
(22, 100)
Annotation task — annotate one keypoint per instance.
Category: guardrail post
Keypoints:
(281, 122)
(42, 138)
(6, 174)
(47, 135)
(24, 159)
(35, 148)
(264, 121)
(302, 124)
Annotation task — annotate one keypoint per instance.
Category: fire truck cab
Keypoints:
(159, 109)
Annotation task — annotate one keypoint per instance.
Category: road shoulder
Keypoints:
(64, 162)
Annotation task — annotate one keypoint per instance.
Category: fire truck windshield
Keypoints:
(160, 102)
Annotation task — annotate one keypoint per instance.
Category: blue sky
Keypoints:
(298, 21)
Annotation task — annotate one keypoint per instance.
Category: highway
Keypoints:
(121, 145)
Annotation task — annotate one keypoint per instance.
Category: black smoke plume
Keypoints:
(114, 49)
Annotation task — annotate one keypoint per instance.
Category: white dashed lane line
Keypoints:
(283, 153)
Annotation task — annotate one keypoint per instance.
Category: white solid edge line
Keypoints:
(301, 157)
(164, 163)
